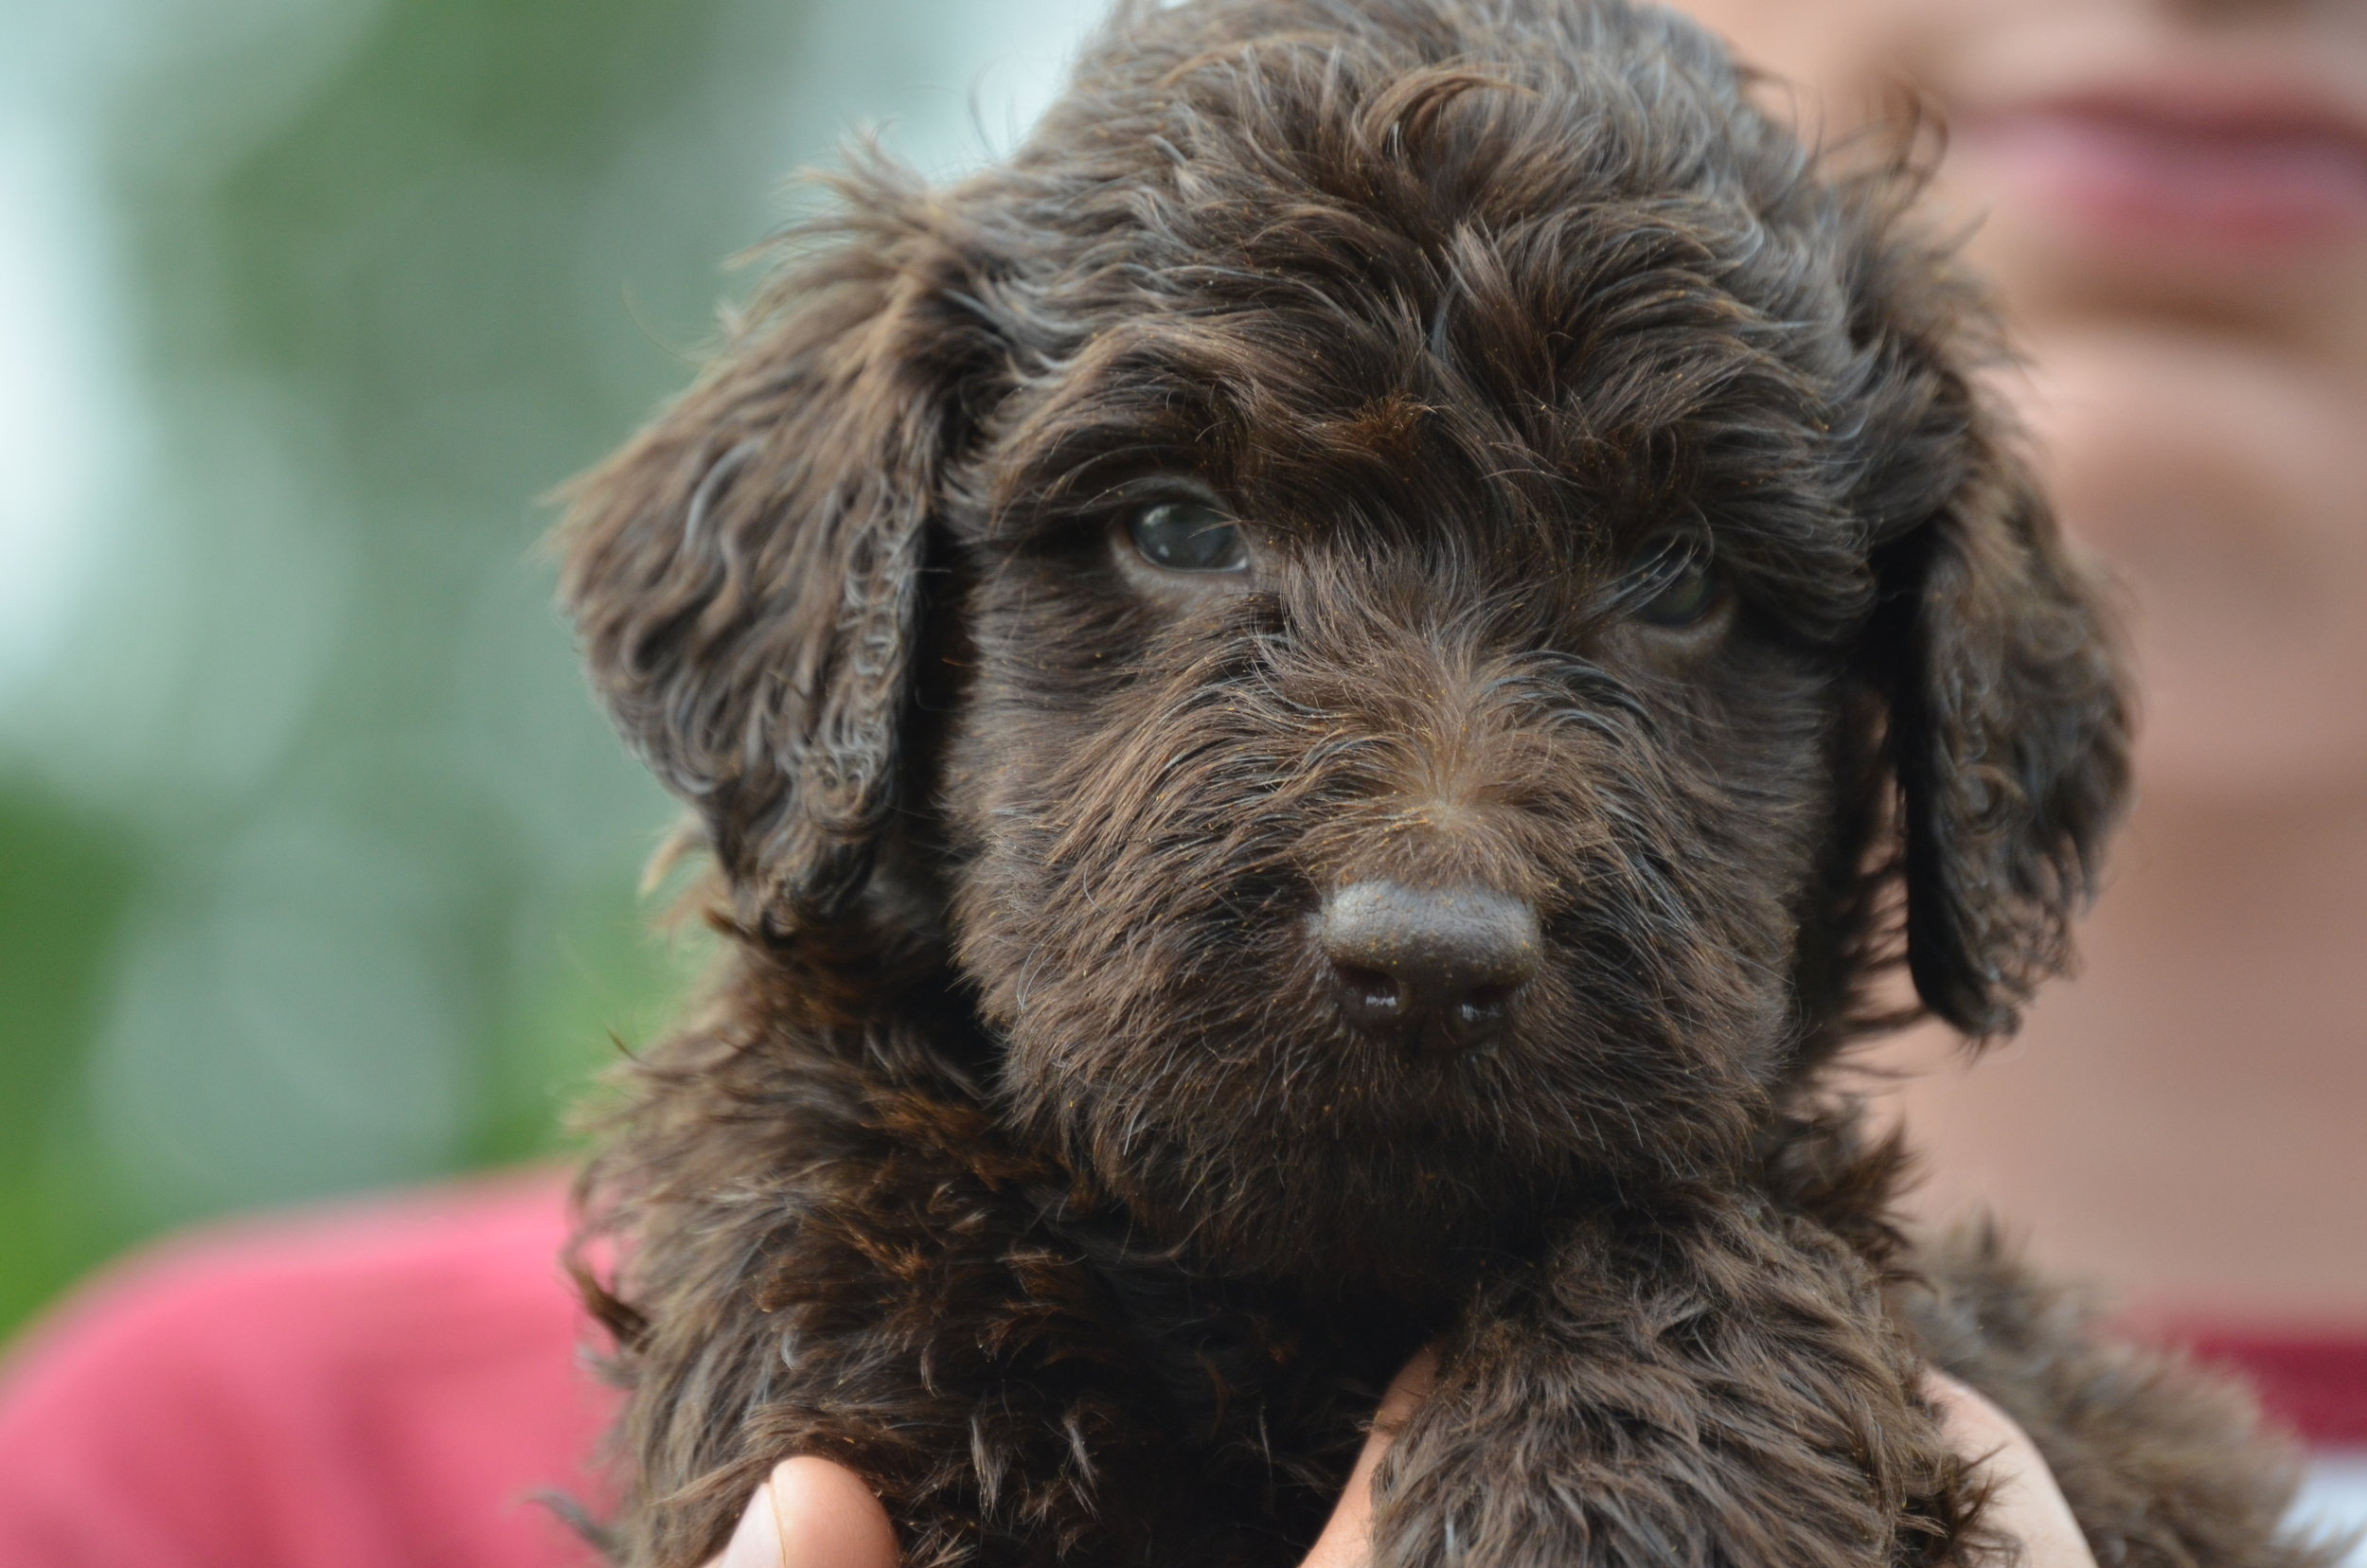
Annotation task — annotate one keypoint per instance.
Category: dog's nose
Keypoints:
(1438, 964)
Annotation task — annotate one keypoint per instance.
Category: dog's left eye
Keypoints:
(1187, 536)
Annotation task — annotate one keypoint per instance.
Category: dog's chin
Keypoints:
(1333, 1227)
(1248, 1121)
(1400, 1196)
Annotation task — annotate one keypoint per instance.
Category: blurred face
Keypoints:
(2172, 196)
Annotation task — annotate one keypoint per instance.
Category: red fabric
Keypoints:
(388, 1386)
(379, 1388)
(2314, 1383)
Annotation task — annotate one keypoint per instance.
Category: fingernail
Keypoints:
(758, 1541)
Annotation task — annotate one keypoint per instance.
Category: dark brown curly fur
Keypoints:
(1024, 1160)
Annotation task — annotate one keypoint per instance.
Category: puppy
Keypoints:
(1320, 702)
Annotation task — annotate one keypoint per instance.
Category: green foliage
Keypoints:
(67, 878)
(350, 900)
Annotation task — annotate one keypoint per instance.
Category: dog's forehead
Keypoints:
(1583, 368)
(1535, 267)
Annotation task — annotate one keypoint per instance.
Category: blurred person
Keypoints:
(2171, 198)
(2172, 195)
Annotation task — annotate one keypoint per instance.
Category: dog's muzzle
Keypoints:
(1434, 966)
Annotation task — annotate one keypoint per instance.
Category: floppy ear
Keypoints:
(745, 575)
(2008, 722)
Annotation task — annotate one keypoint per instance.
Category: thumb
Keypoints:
(2025, 1506)
(1347, 1540)
(810, 1513)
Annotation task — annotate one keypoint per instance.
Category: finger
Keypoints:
(1347, 1538)
(1405, 1394)
(810, 1513)
(2025, 1505)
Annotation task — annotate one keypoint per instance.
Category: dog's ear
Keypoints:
(2008, 735)
(2007, 707)
(745, 575)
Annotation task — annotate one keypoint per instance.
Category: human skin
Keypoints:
(2171, 197)
(813, 1514)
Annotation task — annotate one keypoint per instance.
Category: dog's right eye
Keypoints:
(1188, 535)
(1670, 583)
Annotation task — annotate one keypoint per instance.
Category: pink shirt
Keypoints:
(384, 1386)
(390, 1385)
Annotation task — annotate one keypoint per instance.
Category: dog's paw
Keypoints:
(1738, 1403)
(1600, 1490)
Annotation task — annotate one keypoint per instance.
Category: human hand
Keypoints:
(810, 1513)
(813, 1514)
(2025, 1505)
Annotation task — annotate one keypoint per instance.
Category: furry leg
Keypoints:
(1719, 1388)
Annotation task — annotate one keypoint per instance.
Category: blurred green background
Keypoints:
(317, 866)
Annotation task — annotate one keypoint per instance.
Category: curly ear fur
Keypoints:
(2008, 708)
(2009, 733)
(745, 575)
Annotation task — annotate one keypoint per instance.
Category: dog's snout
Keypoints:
(1438, 965)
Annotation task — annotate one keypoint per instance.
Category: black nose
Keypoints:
(1435, 965)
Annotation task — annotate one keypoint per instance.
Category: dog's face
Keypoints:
(1381, 858)
(1455, 551)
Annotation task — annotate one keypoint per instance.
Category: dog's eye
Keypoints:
(1670, 583)
(1186, 536)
